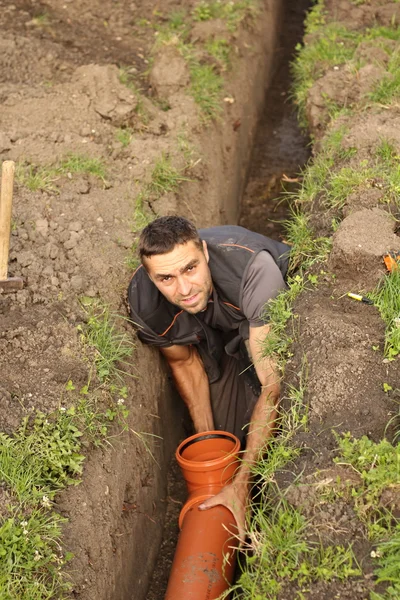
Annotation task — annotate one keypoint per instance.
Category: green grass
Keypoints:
(329, 45)
(206, 82)
(36, 178)
(81, 164)
(44, 178)
(386, 297)
(111, 347)
(221, 51)
(387, 90)
(388, 570)
(378, 467)
(40, 459)
(164, 177)
(206, 88)
(280, 554)
(232, 12)
(123, 135)
(306, 247)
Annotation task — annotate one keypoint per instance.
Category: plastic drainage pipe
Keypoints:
(205, 556)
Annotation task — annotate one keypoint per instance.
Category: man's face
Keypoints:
(182, 276)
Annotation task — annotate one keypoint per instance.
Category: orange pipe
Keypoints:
(205, 555)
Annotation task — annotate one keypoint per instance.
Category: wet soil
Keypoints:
(281, 148)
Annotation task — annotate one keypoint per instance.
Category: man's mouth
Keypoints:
(190, 300)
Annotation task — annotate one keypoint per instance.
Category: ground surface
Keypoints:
(62, 94)
(88, 111)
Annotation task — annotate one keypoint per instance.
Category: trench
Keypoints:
(280, 151)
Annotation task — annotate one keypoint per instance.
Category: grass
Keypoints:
(386, 297)
(123, 135)
(206, 88)
(40, 459)
(388, 569)
(330, 44)
(387, 90)
(206, 82)
(111, 347)
(45, 455)
(377, 465)
(164, 177)
(281, 555)
(44, 178)
(232, 12)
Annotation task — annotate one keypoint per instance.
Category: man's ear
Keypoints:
(205, 250)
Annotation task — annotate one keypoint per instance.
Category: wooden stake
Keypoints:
(6, 197)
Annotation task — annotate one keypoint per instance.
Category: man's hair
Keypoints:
(163, 234)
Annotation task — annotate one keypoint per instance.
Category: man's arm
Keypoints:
(192, 384)
(235, 495)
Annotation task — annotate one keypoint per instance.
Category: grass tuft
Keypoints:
(386, 297)
(111, 347)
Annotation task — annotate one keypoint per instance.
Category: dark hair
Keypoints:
(164, 233)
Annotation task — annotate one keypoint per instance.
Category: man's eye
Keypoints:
(189, 269)
(168, 278)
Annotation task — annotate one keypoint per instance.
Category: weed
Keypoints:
(44, 178)
(386, 297)
(305, 247)
(37, 178)
(124, 136)
(378, 467)
(165, 177)
(232, 12)
(388, 89)
(110, 346)
(220, 50)
(280, 553)
(206, 89)
(388, 571)
(79, 163)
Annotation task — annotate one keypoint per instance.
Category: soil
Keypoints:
(61, 93)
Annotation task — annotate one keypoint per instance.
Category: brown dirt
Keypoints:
(61, 93)
(337, 338)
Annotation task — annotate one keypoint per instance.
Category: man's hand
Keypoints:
(234, 497)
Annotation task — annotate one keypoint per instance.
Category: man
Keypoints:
(199, 296)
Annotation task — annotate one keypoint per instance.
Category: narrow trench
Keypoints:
(279, 153)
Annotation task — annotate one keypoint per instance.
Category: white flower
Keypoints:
(120, 401)
(25, 531)
(46, 502)
(62, 409)
(376, 554)
(24, 523)
(37, 556)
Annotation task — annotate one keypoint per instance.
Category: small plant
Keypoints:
(165, 177)
(386, 297)
(220, 50)
(206, 89)
(37, 178)
(124, 136)
(378, 467)
(79, 163)
(110, 346)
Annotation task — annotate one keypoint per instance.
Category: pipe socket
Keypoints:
(205, 556)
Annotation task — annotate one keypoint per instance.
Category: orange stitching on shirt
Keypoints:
(233, 306)
(238, 246)
(135, 271)
(173, 321)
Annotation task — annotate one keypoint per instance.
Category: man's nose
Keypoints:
(184, 286)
